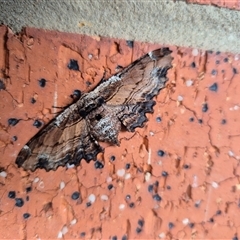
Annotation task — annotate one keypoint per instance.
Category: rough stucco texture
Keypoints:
(169, 22)
(176, 178)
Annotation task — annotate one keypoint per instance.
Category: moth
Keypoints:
(119, 103)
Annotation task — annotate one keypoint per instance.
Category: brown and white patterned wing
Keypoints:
(65, 139)
(132, 90)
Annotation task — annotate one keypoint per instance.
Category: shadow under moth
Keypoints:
(120, 102)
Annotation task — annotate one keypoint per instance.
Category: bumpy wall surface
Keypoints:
(176, 178)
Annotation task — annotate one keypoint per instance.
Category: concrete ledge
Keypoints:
(168, 22)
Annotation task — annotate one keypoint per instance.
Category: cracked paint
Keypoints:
(178, 177)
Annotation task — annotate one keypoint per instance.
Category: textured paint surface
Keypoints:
(177, 178)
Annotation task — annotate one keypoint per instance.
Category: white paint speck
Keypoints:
(104, 197)
(162, 235)
(62, 185)
(121, 206)
(3, 174)
(64, 230)
(215, 185)
(60, 235)
(121, 172)
(236, 57)
(236, 107)
(36, 179)
(195, 52)
(128, 176)
(189, 83)
(230, 153)
(41, 184)
(180, 98)
(147, 176)
(151, 133)
(74, 221)
(55, 97)
(195, 181)
(92, 198)
(185, 221)
(149, 156)
(90, 56)
(109, 179)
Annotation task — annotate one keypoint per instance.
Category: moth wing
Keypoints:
(135, 86)
(66, 139)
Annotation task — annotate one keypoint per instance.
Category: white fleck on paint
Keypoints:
(195, 52)
(230, 153)
(236, 57)
(121, 206)
(195, 181)
(189, 83)
(121, 172)
(60, 235)
(62, 185)
(149, 156)
(215, 185)
(104, 197)
(36, 179)
(41, 184)
(180, 98)
(162, 235)
(236, 107)
(90, 56)
(185, 221)
(3, 174)
(147, 176)
(64, 230)
(128, 176)
(92, 198)
(74, 221)
(109, 179)
(55, 97)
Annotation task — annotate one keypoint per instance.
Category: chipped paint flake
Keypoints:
(128, 176)
(147, 176)
(104, 197)
(91, 198)
(62, 185)
(180, 98)
(64, 230)
(189, 83)
(36, 179)
(231, 153)
(121, 206)
(195, 52)
(185, 221)
(3, 174)
(215, 185)
(121, 172)
(74, 221)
